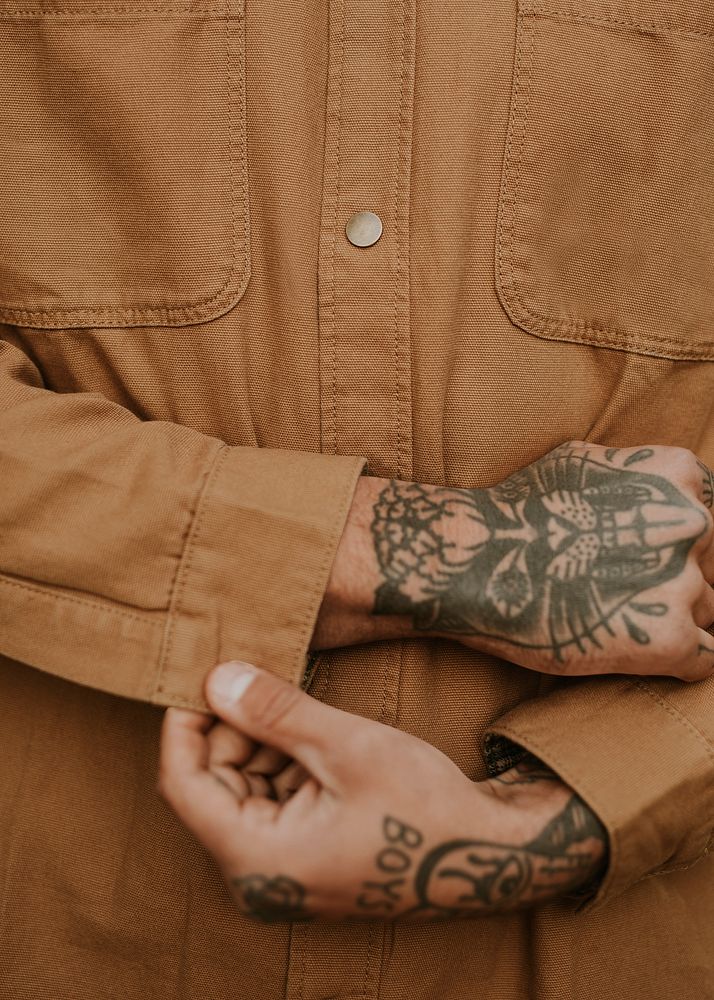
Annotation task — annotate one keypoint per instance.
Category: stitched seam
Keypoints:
(151, 311)
(542, 322)
(371, 936)
(7, 10)
(184, 566)
(338, 138)
(242, 131)
(318, 590)
(677, 715)
(510, 202)
(297, 948)
(665, 27)
(673, 868)
(178, 699)
(85, 603)
(397, 233)
(547, 756)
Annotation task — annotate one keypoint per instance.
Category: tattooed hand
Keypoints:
(592, 560)
(313, 812)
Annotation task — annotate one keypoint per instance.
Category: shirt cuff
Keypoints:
(255, 566)
(635, 760)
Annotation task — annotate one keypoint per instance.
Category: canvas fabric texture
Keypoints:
(196, 366)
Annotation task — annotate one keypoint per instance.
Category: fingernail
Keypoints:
(230, 681)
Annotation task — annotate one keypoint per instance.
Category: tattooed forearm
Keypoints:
(554, 559)
(467, 877)
(271, 898)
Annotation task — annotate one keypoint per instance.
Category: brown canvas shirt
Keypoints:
(195, 364)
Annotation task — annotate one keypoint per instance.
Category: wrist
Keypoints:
(531, 792)
(346, 616)
(403, 546)
(547, 814)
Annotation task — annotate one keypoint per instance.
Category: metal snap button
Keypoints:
(363, 229)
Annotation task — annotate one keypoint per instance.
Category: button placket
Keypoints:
(365, 367)
(364, 296)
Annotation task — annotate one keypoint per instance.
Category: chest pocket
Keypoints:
(606, 218)
(123, 176)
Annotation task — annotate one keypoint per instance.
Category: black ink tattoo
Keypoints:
(270, 898)
(637, 456)
(381, 895)
(707, 485)
(465, 877)
(553, 559)
(470, 874)
(527, 771)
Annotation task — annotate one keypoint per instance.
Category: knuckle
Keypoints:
(676, 463)
(682, 456)
(672, 653)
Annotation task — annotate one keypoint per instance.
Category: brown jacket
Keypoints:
(195, 363)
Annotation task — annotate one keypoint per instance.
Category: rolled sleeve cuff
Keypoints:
(255, 566)
(635, 760)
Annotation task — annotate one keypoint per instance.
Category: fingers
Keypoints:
(259, 771)
(274, 712)
(204, 804)
(229, 750)
(290, 779)
(267, 760)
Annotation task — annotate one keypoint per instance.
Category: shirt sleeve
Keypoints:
(135, 555)
(640, 753)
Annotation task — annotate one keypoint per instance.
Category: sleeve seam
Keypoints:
(184, 564)
(147, 617)
(673, 868)
(676, 715)
(321, 582)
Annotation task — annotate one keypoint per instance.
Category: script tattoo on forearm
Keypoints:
(555, 558)
(270, 898)
(466, 877)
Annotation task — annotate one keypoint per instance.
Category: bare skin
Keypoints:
(292, 798)
(590, 561)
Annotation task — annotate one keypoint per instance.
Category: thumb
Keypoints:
(271, 711)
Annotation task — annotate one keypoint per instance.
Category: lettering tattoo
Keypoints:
(270, 898)
(465, 877)
(456, 878)
(554, 559)
(382, 894)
